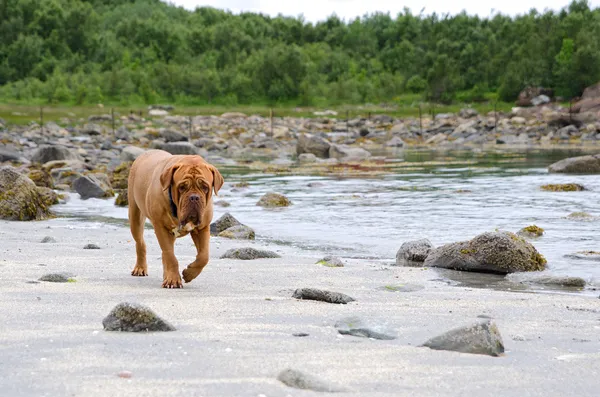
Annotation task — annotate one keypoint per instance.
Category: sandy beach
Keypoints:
(235, 325)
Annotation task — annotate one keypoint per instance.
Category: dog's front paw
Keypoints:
(190, 273)
(139, 271)
(172, 281)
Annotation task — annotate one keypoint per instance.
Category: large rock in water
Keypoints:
(129, 317)
(577, 165)
(313, 144)
(48, 153)
(93, 186)
(223, 223)
(20, 198)
(492, 252)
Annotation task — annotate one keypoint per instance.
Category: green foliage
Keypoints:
(148, 51)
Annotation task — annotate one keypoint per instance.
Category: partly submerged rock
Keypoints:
(248, 253)
(563, 187)
(547, 279)
(223, 223)
(585, 255)
(531, 231)
(239, 232)
(577, 165)
(413, 253)
(323, 296)
(313, 144)
(481, 338)
(356, 326)
(130, 317)
(301, 380)
(491, 252)
(273, 200)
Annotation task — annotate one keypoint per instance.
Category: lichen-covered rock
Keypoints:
(41, 178)
(563, 187)
(223, 223)
(130, 317)
(122, 199)
(581, 216)
(331, 261)
(481, 338)
(313, 144)
(301, 380)
(93, 186)
(531, 231)
(413, 253)
(492, 252)
(239, 232)
(248, 253)
(577, 165)
(49, 197)
(273, 200)
(46, 153)
(321, 295)
(120, 175)
(20, 198)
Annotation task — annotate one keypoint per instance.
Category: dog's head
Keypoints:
(191, 186)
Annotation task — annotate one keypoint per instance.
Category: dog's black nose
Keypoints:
(194, 198)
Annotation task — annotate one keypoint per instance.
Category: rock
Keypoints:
(48, 196)
(46, 153)
(222, 203)
(240, 232)
(48, 239)
(91, 186)
(234, 115)
(123, 133)
(531, 231)
(564, 187)
(170, 135)
(300, 380)
(468, 113)
(157, 112)
(92, 129)
(546, 279)
(577, 165)
(272, 200)
(581, 216)
(355, 326)
(180, 148)
(413, 253)
(223, 223)
(585, 255)
(395, 142)
(91, 247)
(120, 175)
(347, 153)
(122, 199)
(331, 261)
(129, 317)
(586, 105)
(491, 252)
(248, 253)
(323, 296)
(57, 277)
(540, 100)
(20, 198)
(403, 288)
(41, 178)
(130, 153)
(313, 144)
(307, 158)
(528, 94)
(481, 338)
(518, 120)
(168, 108)
(10, 155)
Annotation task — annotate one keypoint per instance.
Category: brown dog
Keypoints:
(175, 193)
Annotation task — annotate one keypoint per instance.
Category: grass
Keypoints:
(405, 106)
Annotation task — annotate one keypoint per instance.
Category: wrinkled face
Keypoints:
(191, 188)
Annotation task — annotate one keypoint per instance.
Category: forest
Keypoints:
(148, 51)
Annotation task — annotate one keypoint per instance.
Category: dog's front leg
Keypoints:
(166, 240)
(201, 241)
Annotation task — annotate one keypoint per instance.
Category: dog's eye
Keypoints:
(182, 187)
(205, 188)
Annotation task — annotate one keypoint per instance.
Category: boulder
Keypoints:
(239, 232)
(547, 280)
(481, 338)
(307, 158)
(179, 148)
(171, 135)
(273, 200)
(129, 317)
(491, 252)
(158, 112)
(528, 94)
(41, 178)
(92, 129)
(532, 231)
(234, 115)
(130, 153)
(577, 165)
(223, 223)
(313, 144)
(122, 199)
(11, 155)
(413, 253)
(248, 253)
(347, 153)
(395, 142)
(468, 113)
(20, 198)
(93, 186)
(46, 153)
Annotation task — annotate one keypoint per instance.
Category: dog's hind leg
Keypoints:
(136, 223)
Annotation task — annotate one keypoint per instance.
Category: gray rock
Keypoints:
(157, 112)
(248, 253)
(307, 158)
(239, 232)
(540, 100)
(492, 252)
(395, 142)
(313, 144)
(331, 261)
(11, 155)
(481, 338)
(547, 279)
(123, 133)
(92, 129)
(301, 380)
(130, 317)
(413, 253)
(180, 148)
(222, 203)
(171, 135)
(130, 153)
(273, 200)
(46, 153)
(91, 247)
(20, 198)
(577, 165)
(468, 113)
(223, 223)
(323, 296)
(347, 153)
(48, 239)
(57, 277)
(92, 186)
(355, 326)
(585, 255)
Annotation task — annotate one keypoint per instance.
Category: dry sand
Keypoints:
(235, 326)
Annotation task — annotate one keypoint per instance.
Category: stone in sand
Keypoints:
(413, 253)
(91, 247)
(301, 380)
(481, 338)
(223, 223)
(331, 261)
(356, 326)
(56, 277)
(131, 317)
(248, 253)
(48, 239)
(323, 296)
(547, 279)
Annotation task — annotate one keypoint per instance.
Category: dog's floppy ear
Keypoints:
(166, 178)
(217, 179)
